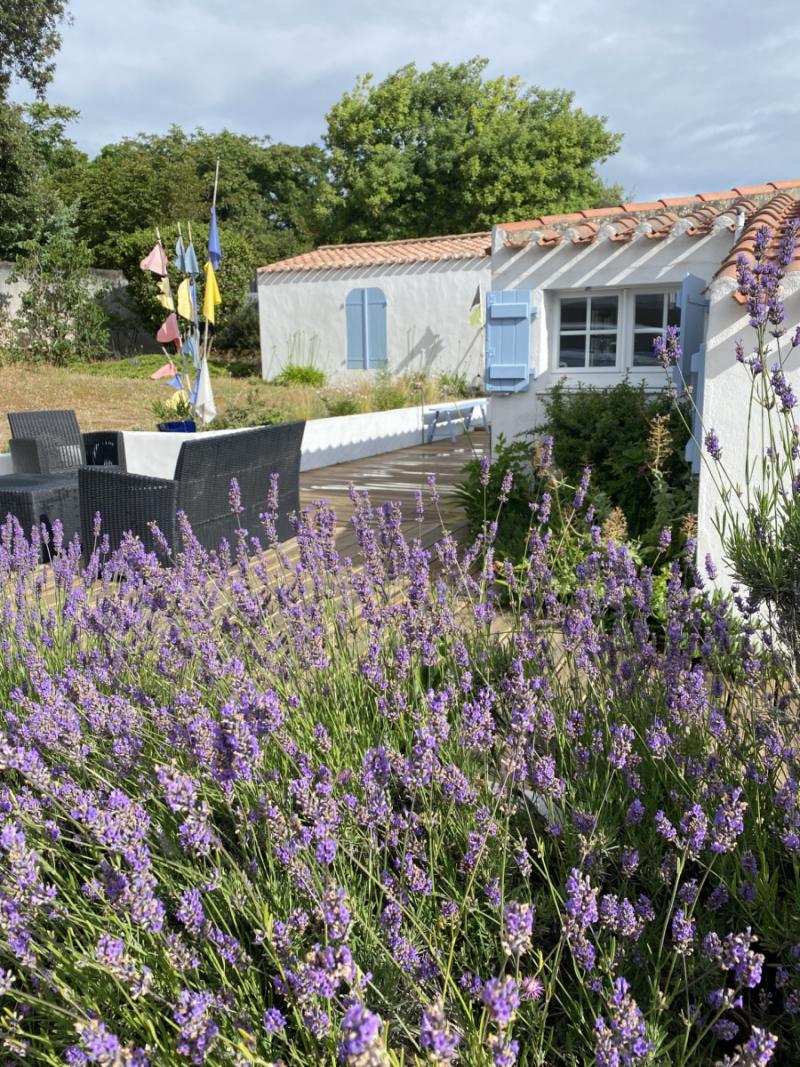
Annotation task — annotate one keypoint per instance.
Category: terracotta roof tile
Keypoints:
(386, 253)
(695, 216)
(775, 213)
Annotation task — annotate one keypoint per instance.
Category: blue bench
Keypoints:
(443, 418)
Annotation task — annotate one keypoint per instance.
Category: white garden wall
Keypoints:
(303, 318)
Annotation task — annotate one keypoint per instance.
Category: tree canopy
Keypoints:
(447, 151)
(29, 38)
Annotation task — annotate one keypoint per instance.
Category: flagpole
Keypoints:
(186, 377)
(213, 206)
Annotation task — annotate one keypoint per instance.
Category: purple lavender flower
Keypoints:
(361, 1044)
(274, 1021)
(621, 1041)
(436, 1036)
(713, 446)
(501, 999)
(517, 932)
(683, 933)
(756, 1052)
(198, 1030)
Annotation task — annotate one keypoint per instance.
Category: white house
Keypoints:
(403, 306)
(581, 298)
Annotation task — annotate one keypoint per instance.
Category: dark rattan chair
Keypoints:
(201, 488)
(49, 442)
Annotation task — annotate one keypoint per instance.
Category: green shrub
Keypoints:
(342, 404)
(300, 374)
(610, 431)
(453, 385)
(253, 412)
(234, 275)
(242, 331)
(60, 317)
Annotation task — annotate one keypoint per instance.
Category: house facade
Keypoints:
(399, 306)
(580, 298)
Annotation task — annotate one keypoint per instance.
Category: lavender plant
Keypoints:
(258, 811)
(758, 520)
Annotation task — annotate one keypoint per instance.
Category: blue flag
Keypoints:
(180, 256)
(190, 349)
(190, 264)
(214, 247)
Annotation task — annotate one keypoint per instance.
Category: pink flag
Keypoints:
(169, 370)
(169, 331)
(155, 260)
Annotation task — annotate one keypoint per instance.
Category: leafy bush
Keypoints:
(234, 275)
(454, 385)
(253, 412)
(60, 317)
(242, 330)
(341, 403)
(300, 374)
(609, 430)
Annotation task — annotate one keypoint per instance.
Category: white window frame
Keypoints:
(626, 310)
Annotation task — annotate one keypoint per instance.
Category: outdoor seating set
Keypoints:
(61, 473)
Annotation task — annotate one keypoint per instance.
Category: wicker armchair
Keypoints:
(50, 442)
(201, 488)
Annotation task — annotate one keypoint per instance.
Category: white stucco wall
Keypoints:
(582, 269)
(726, 402)
(303, 318)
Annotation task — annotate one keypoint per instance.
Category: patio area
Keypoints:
(397, 476)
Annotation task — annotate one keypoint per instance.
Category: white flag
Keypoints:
(204, 398)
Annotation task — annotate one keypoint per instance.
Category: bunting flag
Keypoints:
(169, 331)
(185, 305)
(214, 247)
(475, 317)
(176, 382)
(190, 264)
(211, 299)
(156, 260)
(180, 256)
(164, 294)
(190, 349)
(203, 400)
(167, 371)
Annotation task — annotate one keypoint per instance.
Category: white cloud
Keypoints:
(704, 101)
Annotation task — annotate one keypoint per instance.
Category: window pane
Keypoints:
(573, 314)
(643, 355)
(649, 310)
(572, 350)
(604, 312)
(602, 349)
(673, 311)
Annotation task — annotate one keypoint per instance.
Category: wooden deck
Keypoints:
(397, 476)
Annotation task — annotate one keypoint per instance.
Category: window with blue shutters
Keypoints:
(508, 340)
(365, 310)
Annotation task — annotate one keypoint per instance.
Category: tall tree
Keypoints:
(447, 151)
(273, 195)
(29, 38)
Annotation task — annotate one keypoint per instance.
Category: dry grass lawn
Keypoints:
(106, 403)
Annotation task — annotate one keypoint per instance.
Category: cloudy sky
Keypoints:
(706, 93)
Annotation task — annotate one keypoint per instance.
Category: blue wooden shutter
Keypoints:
(365, 310)
(508, 340)
(356, 348)
(375, 327)
(693, 305)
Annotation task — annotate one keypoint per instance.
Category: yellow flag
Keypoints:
(164, 298)
(211, 298)
(185, 306)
